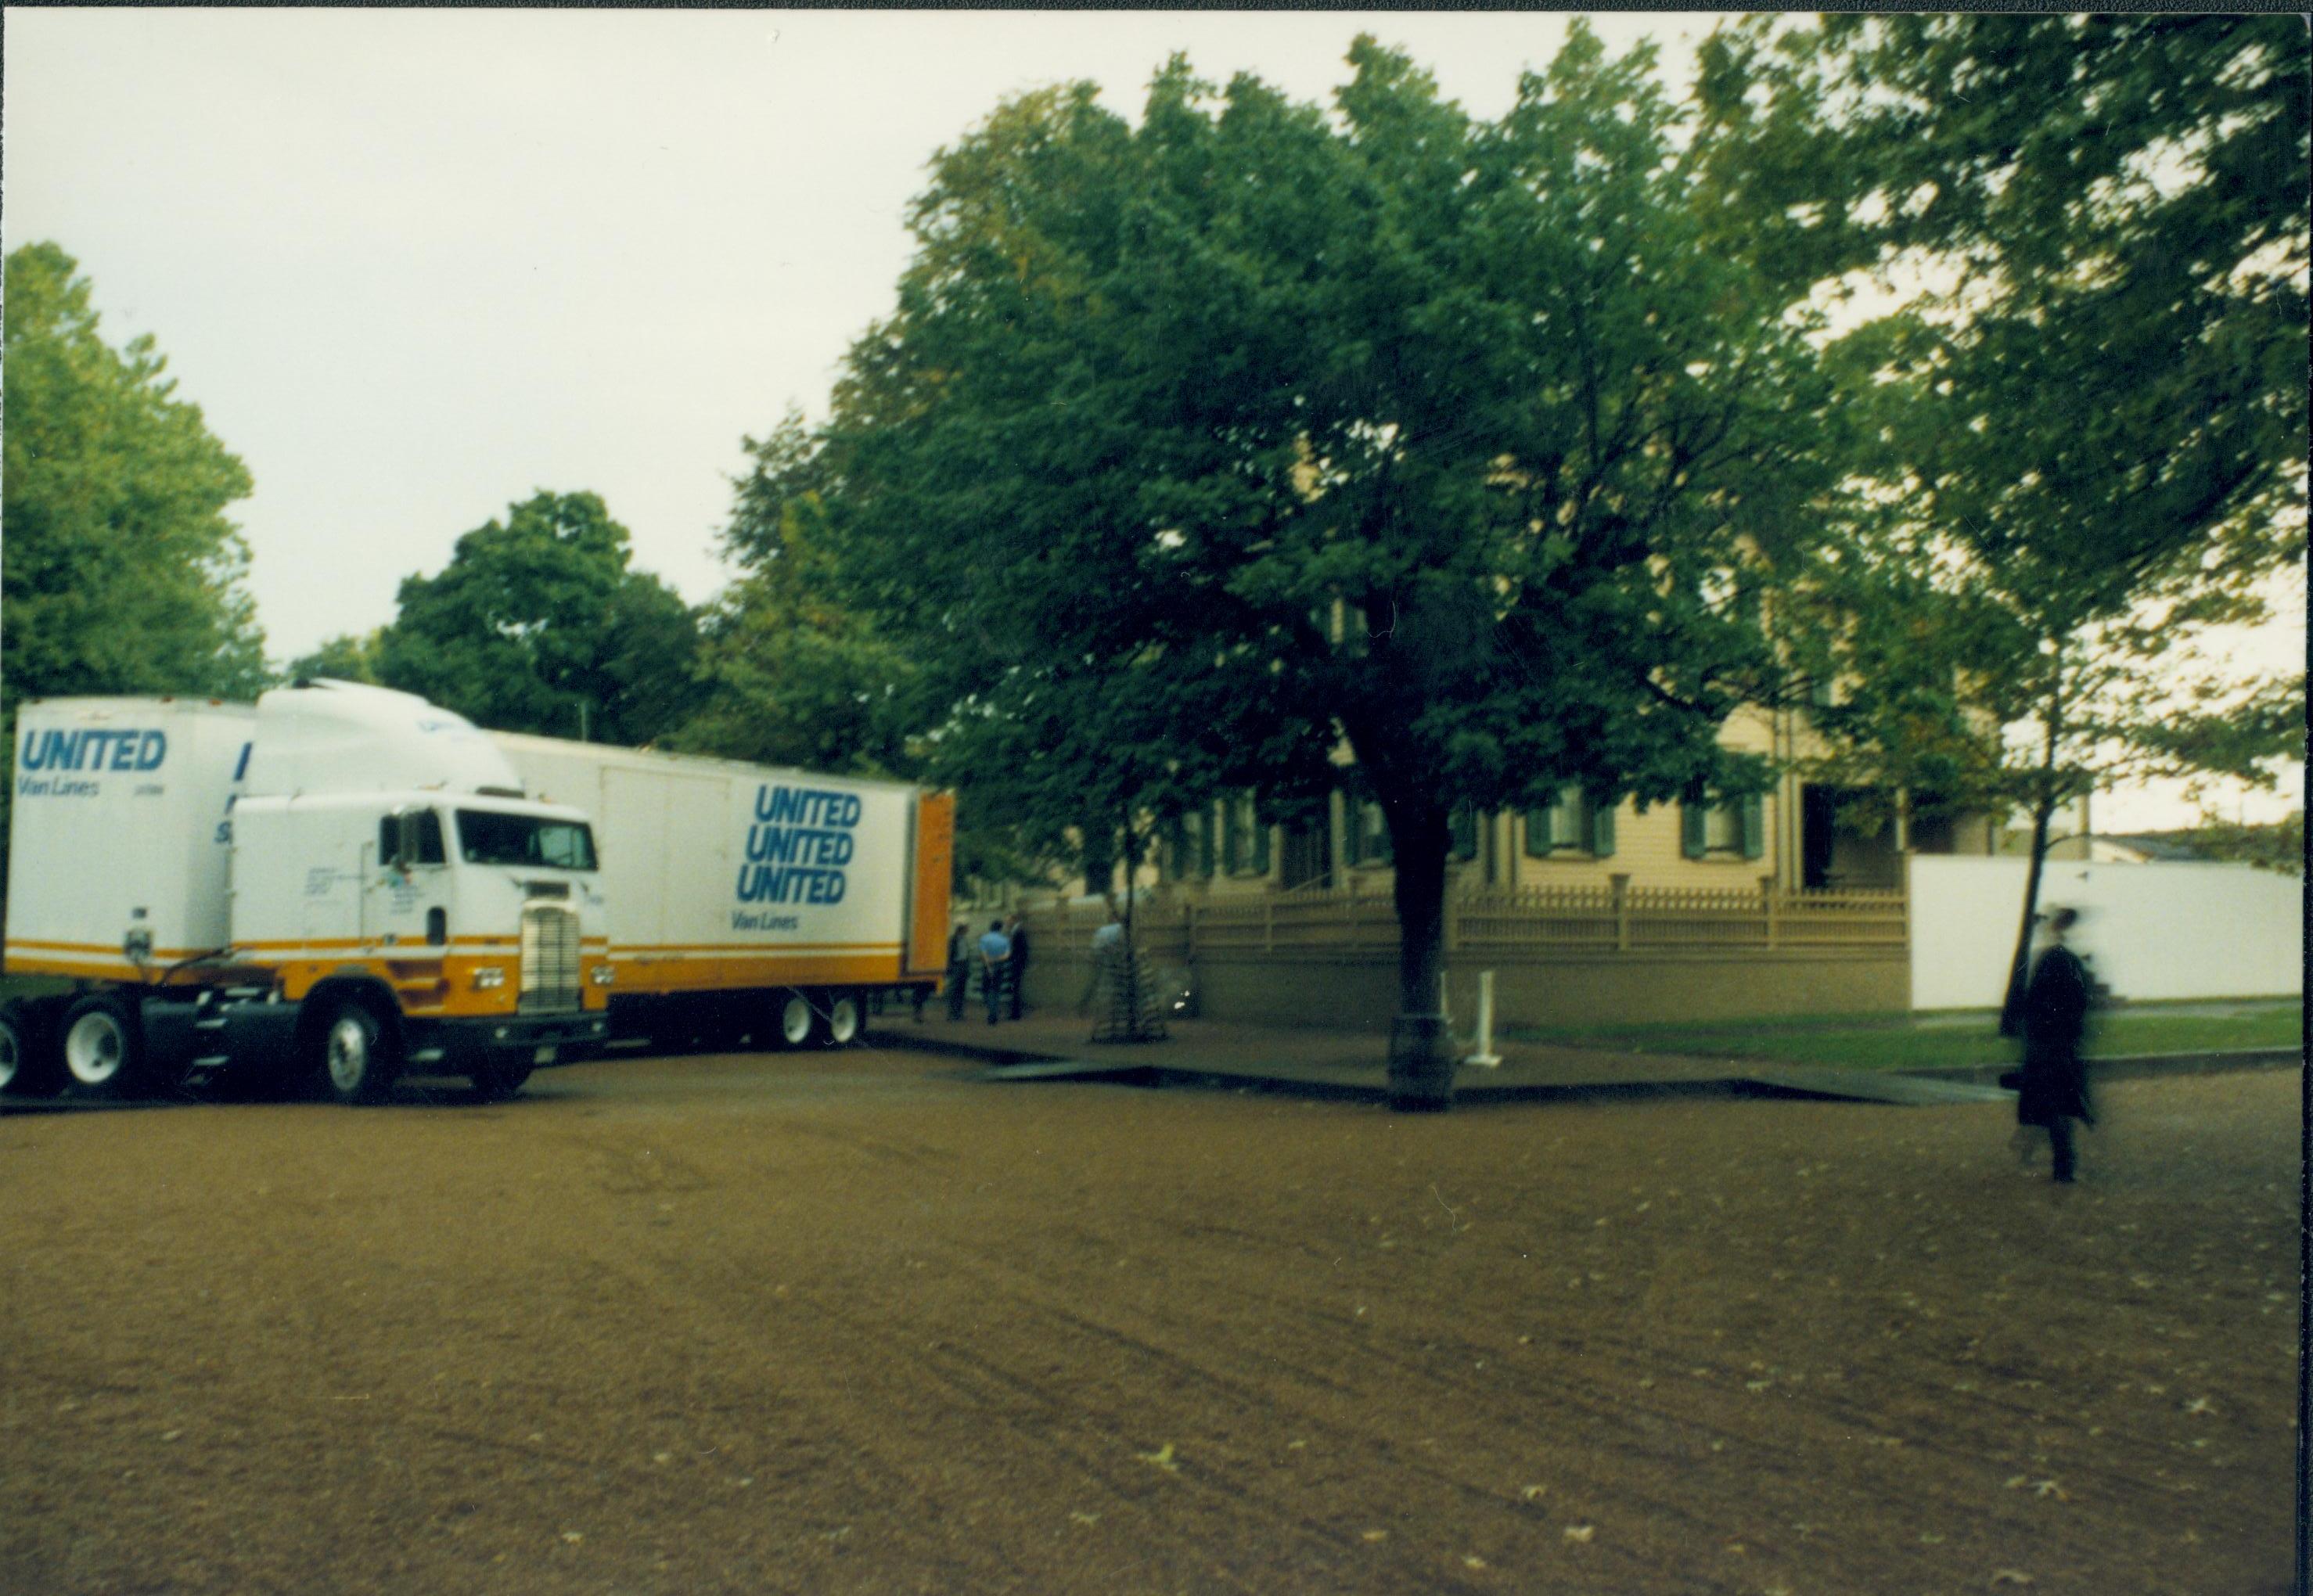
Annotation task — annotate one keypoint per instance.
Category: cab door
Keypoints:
(405, 895)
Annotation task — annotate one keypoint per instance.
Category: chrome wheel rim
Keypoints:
(95, 1049)
(348, 1057)
(794, 1021)
(843, 1020)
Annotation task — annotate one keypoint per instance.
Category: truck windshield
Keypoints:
(488, 838)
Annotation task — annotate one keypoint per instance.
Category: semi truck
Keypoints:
(336, 884)
(748, 903)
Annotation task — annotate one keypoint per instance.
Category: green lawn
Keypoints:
(1903, 1043)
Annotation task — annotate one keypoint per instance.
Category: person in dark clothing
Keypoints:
(959, 968)
(1016, 967)
(2053, 1087)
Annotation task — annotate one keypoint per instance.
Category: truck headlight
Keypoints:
(600, 975)
(488, 975)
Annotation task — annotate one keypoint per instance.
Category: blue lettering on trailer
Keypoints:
(798, 846)
(92, 749)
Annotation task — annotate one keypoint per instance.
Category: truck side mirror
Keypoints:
(405, 838)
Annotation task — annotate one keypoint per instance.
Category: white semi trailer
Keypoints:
(340, 883)
(751, 902)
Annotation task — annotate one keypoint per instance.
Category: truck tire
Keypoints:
(354, 1059)
(496, 1082)
(840, 1019)
(29, 1064)
(103, 1047)
(798, 1020)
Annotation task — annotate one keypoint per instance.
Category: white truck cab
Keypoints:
(343, 877)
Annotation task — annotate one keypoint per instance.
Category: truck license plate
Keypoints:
(543, 1056)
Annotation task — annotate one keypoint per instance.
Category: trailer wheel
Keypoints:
(103, 1047)
(28, 1060)
(496, 1082)
(355, 1062)
(798, 1020)
(841, 1027)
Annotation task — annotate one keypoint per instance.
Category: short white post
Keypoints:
(1485, 1057)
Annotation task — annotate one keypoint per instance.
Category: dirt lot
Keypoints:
(858, 1323)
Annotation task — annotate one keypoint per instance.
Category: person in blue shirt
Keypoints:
(995, 948)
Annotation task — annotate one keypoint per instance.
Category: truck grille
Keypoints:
(550, 960)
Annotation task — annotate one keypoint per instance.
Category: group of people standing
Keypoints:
(999, 956)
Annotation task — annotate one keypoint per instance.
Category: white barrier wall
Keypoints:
(2153, 931)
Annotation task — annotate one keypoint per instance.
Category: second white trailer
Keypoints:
(753, 902)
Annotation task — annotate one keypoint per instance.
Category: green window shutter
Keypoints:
(1353, 832)
(1384, 850)
(1205, 843)
(1754, 827)
(1601, 831)
(1231, 841)
(1465, 828)
(1692, 816)
(1538, 833)
(1260, 841)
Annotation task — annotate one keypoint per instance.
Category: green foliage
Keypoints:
(2279, 846)
(2086, 416)
(1195, 448)
(537, 625)
(343, 658)
(122, 573)
(791, 676)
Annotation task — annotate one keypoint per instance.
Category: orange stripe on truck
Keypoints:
(644, 972)
(935, 867)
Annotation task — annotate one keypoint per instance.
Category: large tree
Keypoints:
(2089, 404)
(122, 573)
(537, 623)
(1464, 443)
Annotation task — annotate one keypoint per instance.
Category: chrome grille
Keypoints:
(550, 960)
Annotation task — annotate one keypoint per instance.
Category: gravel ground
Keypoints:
(857, 1323)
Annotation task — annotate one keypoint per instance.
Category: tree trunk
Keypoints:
(2020, 965)
(1421, 1052)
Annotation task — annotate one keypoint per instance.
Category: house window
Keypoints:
(1724, 828)
(1245, 839)
(1366, 840)
(1573, 825)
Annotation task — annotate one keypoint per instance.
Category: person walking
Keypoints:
(995, 948)
(1016, 964)
(2053, 1087)
(1107, 951)
(959, 968)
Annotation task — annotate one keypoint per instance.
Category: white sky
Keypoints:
(415, 266)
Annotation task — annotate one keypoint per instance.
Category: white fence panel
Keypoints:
(2153, 930)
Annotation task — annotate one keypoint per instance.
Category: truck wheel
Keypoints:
(841, 1028)
(102, 1048)
(496, 1082)
(357, 1063)
(798, 1020)
(28, 1061)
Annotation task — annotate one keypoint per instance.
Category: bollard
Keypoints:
(1485, 1057)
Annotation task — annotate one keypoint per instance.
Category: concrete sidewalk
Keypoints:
(1350, 1063)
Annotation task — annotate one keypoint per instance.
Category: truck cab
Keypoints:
(349, 879)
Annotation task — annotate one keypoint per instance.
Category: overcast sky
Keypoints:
(415, 266)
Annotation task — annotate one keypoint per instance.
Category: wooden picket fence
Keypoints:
(1535, 923)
